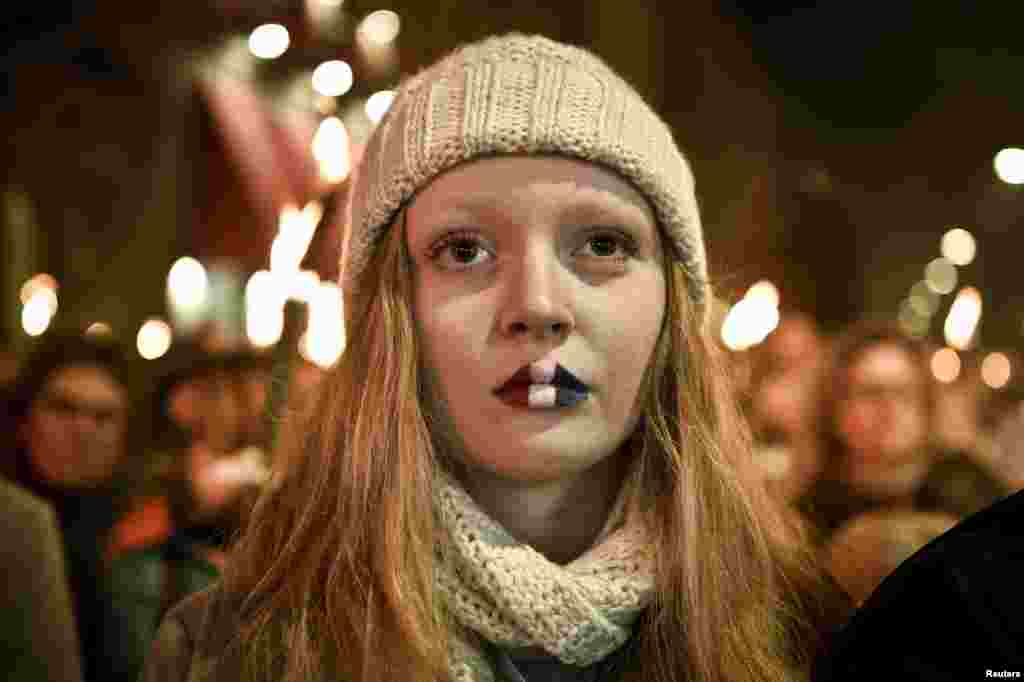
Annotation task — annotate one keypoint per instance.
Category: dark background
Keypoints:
(833, 143)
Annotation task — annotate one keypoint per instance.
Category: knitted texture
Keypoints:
(518, 94)
(507, 592)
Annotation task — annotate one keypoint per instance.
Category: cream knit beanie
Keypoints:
(518, 94)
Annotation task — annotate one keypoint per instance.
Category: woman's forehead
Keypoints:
(515, 183)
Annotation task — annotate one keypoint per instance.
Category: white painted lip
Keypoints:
(545, 371)
(541, 396)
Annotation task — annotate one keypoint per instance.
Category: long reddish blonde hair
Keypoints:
(335, 572)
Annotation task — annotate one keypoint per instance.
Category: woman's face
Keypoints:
(533, 243)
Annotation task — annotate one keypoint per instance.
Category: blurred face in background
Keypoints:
(210, 407)
(253, 388)
(75, 428)
(784, 399)
(882, 418)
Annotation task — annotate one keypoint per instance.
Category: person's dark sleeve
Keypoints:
(949, 613)
(38, 640)
(137, 580)
(171, 655)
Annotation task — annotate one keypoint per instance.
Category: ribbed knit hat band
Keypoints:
(518, 94)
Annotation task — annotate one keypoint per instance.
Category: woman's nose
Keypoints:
(537, 297)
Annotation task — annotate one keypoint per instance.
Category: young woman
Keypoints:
(527, 463)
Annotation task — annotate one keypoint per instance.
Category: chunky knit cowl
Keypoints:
(502, 591)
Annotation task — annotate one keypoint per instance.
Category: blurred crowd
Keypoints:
(138, 492)
(857, 436)
(120, 501)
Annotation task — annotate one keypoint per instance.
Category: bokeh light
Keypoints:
(924, 300)
(36, 314)
(749, 322)
(324, 14)
(265, 297)
(264, 326)
(35, 283)
(911, 321)
(333, 78)
(963, 318)
(958, 246)
(764, 291)
(946, 365)
(99, 330)
(331, 150)
(187, 283)
(154, 339)
(940, 276)
(380, 27)
(295, 233)
(996, 370)
(324, 339)
(378, 103)
(46, 298)
(303, 285)
(269, 41)
(1009, 165)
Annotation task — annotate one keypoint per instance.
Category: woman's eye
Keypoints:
(461, 247)
(464, 249)
(604, 245)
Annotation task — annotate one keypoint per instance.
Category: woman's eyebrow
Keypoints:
(588, 199)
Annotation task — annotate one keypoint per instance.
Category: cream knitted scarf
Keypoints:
(508, 593)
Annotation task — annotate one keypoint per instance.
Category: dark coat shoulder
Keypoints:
(38, 639)
(950, 612)
(188, 637)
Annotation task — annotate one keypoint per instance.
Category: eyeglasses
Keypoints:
(905, 394)
(68, 408)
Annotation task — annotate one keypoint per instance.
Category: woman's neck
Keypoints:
(560, 519)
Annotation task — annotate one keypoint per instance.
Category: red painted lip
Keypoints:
(520, 378)
(516, 395)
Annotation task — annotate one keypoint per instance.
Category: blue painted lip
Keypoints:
(566, 379)
(567, 397)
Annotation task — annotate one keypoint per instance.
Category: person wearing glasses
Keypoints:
(878, 427)
(69, 413)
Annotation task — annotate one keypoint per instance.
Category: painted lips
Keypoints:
(542, 386)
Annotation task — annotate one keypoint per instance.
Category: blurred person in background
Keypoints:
(868, 547)
(206, 471)
(460, 506)
(958, 408)
(1005, 415)
(69, 413)
(782, 405)
(38, 641)
(252, 374)
(951, 612)
(878, 429)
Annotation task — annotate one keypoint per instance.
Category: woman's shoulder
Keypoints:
(192, 638)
